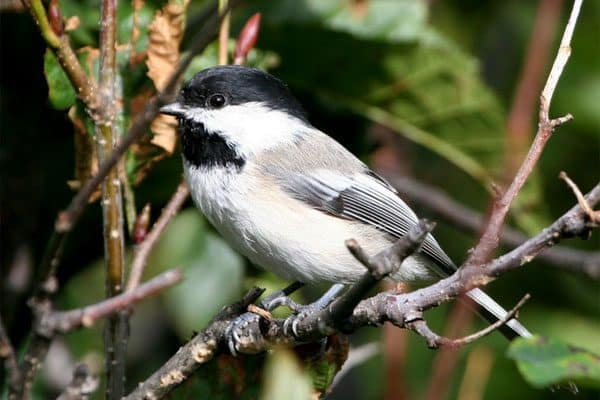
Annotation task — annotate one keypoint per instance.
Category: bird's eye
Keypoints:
(217, 100)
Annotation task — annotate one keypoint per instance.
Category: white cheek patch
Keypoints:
(251, 127)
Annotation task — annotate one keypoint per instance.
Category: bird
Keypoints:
(287, 196)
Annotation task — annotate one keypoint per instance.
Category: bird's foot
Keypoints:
(243, 334)
(291, 323)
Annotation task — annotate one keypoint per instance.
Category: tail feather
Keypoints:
(492, 311)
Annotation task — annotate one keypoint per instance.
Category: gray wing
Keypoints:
(367, 198)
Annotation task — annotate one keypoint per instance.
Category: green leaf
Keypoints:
(284, 378)
(426, 90)
(60, 91)
(323, 366)
(224, 378)
(399, 20)
(548, 361)
(257, 58)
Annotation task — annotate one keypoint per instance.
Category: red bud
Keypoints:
(55, 18)
(247, 39)
(140, 229)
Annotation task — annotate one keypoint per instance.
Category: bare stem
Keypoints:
(115, 335)
(142, 251)
(491, 236)
(518, 125)
(66, 321)
(594, 216)
(224, 32)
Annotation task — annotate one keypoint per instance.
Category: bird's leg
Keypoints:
(280, 297)
(239, 333)
(302, 311)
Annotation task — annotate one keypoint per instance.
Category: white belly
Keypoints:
(283, 235)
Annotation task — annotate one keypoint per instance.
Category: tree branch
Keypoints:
(61, 322)
(573, 260)
(490, 238)
(594, 216)
(379, 267)
(115, 335)
(7, 354)
(48, 323)
(200, 350)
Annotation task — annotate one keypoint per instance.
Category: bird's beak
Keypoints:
(174, 109)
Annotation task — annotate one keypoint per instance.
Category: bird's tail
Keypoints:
(492, 311)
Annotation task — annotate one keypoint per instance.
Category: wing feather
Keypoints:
(367, 198)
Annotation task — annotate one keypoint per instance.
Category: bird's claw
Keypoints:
(242, 334)
(290, 325)
(277, 302)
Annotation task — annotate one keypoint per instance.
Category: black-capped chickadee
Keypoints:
(286, 195)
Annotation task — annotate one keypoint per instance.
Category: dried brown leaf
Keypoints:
(164, 128)
(165, 33)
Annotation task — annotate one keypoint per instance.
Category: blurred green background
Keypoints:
(441, 75)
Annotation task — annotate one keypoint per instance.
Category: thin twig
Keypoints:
(62, 322)
(142, 250)
(529, 84)
(224, 32)
(512, 313)
(82, 385)
(115, 335)
(490, 238)
(594, 216)
(435, 341)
